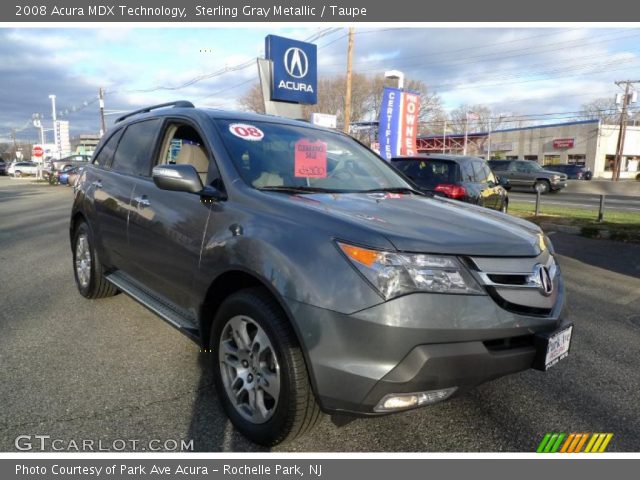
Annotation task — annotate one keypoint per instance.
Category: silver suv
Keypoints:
(527, 173)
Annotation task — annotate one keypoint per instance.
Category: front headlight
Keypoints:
(394, 274)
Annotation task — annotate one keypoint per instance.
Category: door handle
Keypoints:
(97, 184)
(142, 201)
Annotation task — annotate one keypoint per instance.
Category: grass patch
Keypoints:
(621, 226)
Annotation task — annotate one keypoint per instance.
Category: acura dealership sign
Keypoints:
(294, 70)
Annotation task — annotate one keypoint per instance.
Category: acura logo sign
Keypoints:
(296, 62)
(542, 279)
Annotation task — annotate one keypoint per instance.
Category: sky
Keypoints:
(512, 70)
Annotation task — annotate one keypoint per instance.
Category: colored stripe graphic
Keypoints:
(556, 442)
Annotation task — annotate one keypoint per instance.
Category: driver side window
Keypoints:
(182, 145)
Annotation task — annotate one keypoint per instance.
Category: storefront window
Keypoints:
(577, 159)
(551, 159)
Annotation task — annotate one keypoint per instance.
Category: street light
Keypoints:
(395, 74)
(55, 130)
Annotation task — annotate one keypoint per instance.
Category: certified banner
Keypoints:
(389, 122)
(398, 125)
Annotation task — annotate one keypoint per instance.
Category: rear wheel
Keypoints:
(542, 186)
(259, 370)
(87, 269)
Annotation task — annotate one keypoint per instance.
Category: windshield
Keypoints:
(276, 156)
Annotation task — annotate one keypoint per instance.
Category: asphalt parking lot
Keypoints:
(75, 369)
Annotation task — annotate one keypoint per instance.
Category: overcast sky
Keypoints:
(514, 70)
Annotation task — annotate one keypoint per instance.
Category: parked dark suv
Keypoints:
(529, 174)
(468, 179)
(315, 276)
(573, 172)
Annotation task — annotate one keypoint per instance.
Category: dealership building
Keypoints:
(587, 142)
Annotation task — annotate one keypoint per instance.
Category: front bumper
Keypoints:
(415, 343)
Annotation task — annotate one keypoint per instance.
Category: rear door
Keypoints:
(108, 203)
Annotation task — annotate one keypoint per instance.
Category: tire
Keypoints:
(290, 410)
(87, 269)
(542, 186)
(17, 173)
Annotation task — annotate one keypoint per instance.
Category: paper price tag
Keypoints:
(310, 159)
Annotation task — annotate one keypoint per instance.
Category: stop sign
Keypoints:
(38, 151)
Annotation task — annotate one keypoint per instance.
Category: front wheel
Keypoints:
(259, 371)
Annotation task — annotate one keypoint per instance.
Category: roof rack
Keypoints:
(178, 104)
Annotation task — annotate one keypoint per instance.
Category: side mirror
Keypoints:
(177, 178)
(184, 178)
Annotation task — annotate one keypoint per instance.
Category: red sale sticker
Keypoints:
(246, 131)
(310, 159)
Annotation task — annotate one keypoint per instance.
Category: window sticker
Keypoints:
(310, 159)
(246, 131)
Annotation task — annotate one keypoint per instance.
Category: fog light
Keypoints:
(402, 401)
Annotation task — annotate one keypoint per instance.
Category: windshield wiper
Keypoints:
(397, 190)
(296, 189)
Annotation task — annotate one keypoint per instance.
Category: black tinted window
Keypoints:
(106, 153)
(135, 150)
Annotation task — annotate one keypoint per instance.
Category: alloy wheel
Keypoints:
(83, 261)
(249, 368)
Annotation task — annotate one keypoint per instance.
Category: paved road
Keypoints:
(103, 370)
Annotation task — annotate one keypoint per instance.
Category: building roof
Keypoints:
(548, 125)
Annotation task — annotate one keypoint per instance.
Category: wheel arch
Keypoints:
(234, 280)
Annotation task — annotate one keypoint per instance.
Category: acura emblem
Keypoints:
(542, 279)
(296, 62)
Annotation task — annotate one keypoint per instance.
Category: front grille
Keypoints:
(522, 285)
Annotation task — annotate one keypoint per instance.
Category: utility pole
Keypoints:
(55, 129)
(103, 125)
(617, 164)
(15, 145)
(347, 98)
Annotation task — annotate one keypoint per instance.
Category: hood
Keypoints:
(431, 225)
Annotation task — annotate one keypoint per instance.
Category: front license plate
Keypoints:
(552, 347)
(558, 347)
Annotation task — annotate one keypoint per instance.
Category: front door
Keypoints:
(166, 228)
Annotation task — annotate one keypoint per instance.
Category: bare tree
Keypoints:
(480, 118)
(603, 109)
(366, 98)
(252, 99)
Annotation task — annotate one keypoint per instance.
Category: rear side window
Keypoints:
(106, 153)
(135, 150)
(468, 175)
(483, 174)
